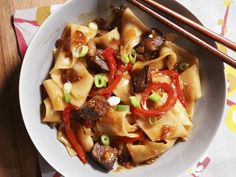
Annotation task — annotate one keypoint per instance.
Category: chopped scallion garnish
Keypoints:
(81, 51)
(132, 56)
(134, 101)
(100, 81)
(105, 140)
(154, 97)
(183, 66)
(125, 58)
(122, 107)
(66, 98)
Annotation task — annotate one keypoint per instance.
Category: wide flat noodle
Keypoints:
(81, 88)
(55, 94)
(182, 54)
(192, 87)
(156, 77)
(116, 124)
(50, 115)
(169, 55)
(167, 58)
(88, 32)
(56, 77)
(143, 152)
(132, 29)
(181, 116)
(166, 127)
(109, 40)
(61, 136)
(71, 29)
(122, 90)
(62, 59)
(84, 136)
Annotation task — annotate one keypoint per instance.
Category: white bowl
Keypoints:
(36, 65)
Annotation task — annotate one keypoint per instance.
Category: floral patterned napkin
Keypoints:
(221, 158)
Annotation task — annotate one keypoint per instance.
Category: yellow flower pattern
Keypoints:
(230, 119)
(42, 14)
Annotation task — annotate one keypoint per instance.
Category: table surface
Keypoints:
(18, 156)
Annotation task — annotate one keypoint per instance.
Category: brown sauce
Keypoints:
(115, 42)
(126, 161)
(78, 39)
(167, 130)
(69, 75)
(66, 47)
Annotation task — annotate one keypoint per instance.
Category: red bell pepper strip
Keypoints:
(109, 55)
(175, 79)
(170, 102)
(70, 134)
(179, 92)
(129, 68)
(112, 86)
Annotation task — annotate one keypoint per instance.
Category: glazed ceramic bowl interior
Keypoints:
(37, 63)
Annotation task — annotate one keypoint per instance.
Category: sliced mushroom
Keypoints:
(150, 44)
(140, 79)
(102, 23)
(96, 63)
(153, 40)
(92, 48)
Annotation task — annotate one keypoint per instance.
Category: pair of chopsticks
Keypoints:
(210, 34)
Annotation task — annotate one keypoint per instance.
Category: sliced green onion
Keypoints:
(66, 98)
(105, 140)
(125, 58)
(81, 51)
(99, 81)
(183, 66)
(134, 101)
(67, 87)
(93, 26)
(152, 121)
(154, 97)
(120, 107)
(132, 56)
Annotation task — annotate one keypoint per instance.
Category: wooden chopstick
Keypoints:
(194, 25)
(227, 59)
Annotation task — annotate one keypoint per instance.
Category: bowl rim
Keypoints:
(213, 43)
